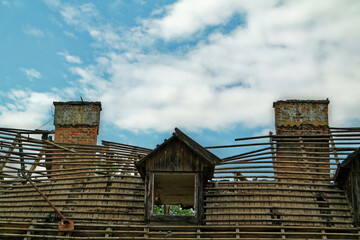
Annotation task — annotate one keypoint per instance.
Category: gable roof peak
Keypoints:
(189, 142)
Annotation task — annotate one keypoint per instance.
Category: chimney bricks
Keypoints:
(302, 140)
(77, 122)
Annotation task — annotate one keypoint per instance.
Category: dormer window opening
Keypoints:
(174, 194)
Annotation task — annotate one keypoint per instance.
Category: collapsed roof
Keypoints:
(276, 186)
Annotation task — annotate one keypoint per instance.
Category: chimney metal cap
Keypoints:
(78, 103)
(295, 113)
(77, 113)
(327, 101)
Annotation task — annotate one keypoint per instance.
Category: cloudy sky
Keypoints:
(210, 67)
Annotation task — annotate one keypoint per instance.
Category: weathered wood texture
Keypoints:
(104, 194)
(175, 173)
(348, 178)
(176, 157)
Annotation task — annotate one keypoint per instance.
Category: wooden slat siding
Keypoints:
(189, 160)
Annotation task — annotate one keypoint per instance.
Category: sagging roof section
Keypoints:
(108, 202)
(273, 187)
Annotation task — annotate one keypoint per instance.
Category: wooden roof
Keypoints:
(352, 157)
(250, 197)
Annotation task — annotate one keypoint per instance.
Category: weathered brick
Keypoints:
(299, 118)
(76, 123)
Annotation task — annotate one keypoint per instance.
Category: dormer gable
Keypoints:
(175, 174)
(178, 154)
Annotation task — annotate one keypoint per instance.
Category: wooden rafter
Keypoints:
(8, 154)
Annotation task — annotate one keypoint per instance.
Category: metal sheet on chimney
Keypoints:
(301, 112)
(77, 114)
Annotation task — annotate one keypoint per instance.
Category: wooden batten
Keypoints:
(248, 197)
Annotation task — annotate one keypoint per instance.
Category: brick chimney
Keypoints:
(77, 122)
(300, 129)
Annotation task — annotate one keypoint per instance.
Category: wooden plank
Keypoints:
(283, 236)
(324, 235)
(8, 154)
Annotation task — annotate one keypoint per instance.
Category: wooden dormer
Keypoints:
(175, 174)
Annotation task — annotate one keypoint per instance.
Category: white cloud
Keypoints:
(70, 34)
(53, 3)
(81, 15)
(69, 58)
(85, 17)
(186, 17)
(31, 73)
(26, 109)
(291, 49)
(33, 31)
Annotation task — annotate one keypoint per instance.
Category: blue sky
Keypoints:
(210, 67)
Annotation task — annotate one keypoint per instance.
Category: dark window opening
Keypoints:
(174, 194)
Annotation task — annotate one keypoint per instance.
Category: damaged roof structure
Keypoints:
(300, 183)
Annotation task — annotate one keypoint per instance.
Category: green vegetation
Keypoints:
(174, 210)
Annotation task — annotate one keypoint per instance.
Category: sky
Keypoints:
(209, 67)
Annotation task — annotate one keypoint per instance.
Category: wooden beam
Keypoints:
(59, 146)
(8, 154)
